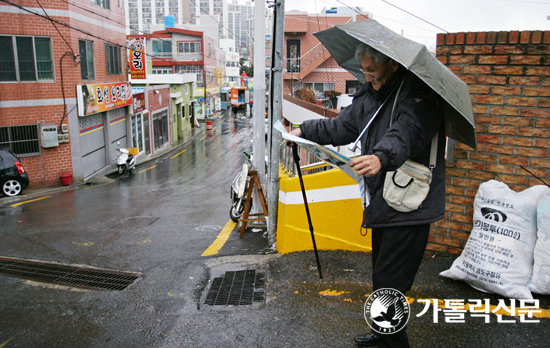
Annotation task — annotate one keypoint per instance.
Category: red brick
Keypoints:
(466, 183)
(513, 37)
(506, 90)
(471, 38)
(518, 121)
(436, 247)
(535, 112)
(484, 138)
(502, 130)
(512, 179)
(516, 160)
(543, 123)
(534, 132)
(481, 156)
(469, 165)
(486, 119)
(540, 163)
(536, 91)
(477, 69)
(483, 176)
(521, 101)
(500, 149)
(525, 60)
(537, 70)
(460, 38)
(532, 152)
(480, 110)
(459, 235)
(508, 49)
(505, 111)
(486, 49)
(493, 60)
(462, 200)
(545, 143)
(456, 171)
(447, 241)
(486, 99)
(547, 37)
(499, 168)
(536, 37)
(477, 89)
(462, 59)
(443, 59)
(462, 218)
(538, 49)
(440, 39)
(454, 251)
(508, 70)
(525, 81)
(492, 80)
(525, 36)
(517, 141)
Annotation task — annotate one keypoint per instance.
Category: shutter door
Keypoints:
(92, 143)
(117, 126)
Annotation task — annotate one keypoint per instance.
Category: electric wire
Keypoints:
(415, 16)
(39, 4)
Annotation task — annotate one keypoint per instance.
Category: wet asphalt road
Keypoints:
(157, 222)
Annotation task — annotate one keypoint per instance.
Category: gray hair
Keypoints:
(363, 49)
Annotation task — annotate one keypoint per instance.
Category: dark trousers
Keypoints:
(396, 256)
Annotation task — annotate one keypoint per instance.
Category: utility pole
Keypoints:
(276, 102)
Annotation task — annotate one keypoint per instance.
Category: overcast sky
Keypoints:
(449, 15)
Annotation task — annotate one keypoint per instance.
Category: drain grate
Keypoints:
(67, 275)
(237, 288)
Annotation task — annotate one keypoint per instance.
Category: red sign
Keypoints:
(102, 97)
(138, 102)
(137, 57)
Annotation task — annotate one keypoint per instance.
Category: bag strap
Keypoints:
(433, 148)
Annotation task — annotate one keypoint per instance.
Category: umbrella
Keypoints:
(342, 40)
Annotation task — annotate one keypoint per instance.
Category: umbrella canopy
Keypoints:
(342, 40)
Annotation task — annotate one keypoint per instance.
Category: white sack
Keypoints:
(498, 256)
(540, 280)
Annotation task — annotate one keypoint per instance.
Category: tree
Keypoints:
(248, 69)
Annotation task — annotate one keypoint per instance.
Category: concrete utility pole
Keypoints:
(259, 91)
(276, 101)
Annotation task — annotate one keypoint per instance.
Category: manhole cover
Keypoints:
(67, 275)
(136, 222)
(237, 288)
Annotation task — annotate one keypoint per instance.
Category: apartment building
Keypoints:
(65, 92)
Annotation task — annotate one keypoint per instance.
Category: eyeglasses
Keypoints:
(371, 73)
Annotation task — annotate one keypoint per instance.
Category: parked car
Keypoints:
(13, 177)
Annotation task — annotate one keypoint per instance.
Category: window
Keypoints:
(162, 48)
(112, 60)
(189, 47)
(162, 71)
(87, 70)
(320, 87)
(21, 140)
(102, 3)
(25, 58)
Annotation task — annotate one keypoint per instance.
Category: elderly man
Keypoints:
(403, 129)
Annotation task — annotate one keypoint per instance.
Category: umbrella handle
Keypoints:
(297, 161)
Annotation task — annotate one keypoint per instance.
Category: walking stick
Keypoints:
(297, 161)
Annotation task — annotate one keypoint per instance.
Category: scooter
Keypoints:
(238, 191)
(125, 161)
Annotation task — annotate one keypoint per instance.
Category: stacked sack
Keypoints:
(505, 242)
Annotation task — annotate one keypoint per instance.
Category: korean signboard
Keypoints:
(102, 97)
(137, 58)
(138, 102)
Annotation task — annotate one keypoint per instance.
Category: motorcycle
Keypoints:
(125, 161)
(238, 191)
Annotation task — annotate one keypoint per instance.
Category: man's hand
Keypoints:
(367, 165)
(296, 132)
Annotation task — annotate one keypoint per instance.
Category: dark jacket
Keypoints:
(417, 118)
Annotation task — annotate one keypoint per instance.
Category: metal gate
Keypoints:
(92, 143)
(117, 129)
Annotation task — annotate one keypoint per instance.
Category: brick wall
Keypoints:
(508, 75)
(45, 169)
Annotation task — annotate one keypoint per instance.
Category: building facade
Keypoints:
(69, 84)
(308, 63)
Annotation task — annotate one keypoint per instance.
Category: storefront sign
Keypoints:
(102, 97)
(137, 56)
(138, 101)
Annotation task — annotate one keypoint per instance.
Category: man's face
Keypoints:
(377, 73)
